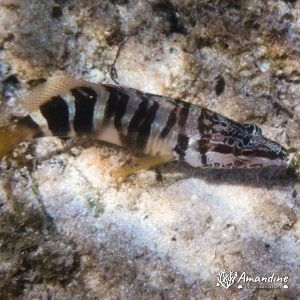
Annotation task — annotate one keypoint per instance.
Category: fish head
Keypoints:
(225, 143)
(255, 150)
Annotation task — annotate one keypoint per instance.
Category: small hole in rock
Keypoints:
(203, 42)
(61, 2)
(119, 2)
(34, 82)
(10, 85)
(56, 12)
(167, 11)
(12, 79)
(220, 86)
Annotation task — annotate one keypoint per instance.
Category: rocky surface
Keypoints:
(70, 231)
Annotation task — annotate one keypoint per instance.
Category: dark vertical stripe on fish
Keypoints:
(182, 139)
(138, 117)
(170, 122)
(182, 145)
(111, 104)
(145, 127)
(183, 114)
(116, 106)
(201, 121)
(28, 122)
(120, 109)
(56, 113)
(85, 100)
(203, 159)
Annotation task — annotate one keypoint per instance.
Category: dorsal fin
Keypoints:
(58, 84)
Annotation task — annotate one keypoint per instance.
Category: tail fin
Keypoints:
(12, 135)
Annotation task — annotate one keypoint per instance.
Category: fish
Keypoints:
(162, 128)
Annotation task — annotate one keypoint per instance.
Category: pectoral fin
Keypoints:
(139, 164)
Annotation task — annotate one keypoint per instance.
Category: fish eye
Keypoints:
(252, 129)
(246, 142)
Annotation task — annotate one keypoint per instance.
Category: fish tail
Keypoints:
(12, 135)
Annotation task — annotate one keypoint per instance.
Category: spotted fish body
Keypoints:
(147, 123)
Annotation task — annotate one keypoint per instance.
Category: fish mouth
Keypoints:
(265, 162)
(265, 153)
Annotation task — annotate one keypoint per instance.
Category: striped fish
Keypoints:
(154, 125)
